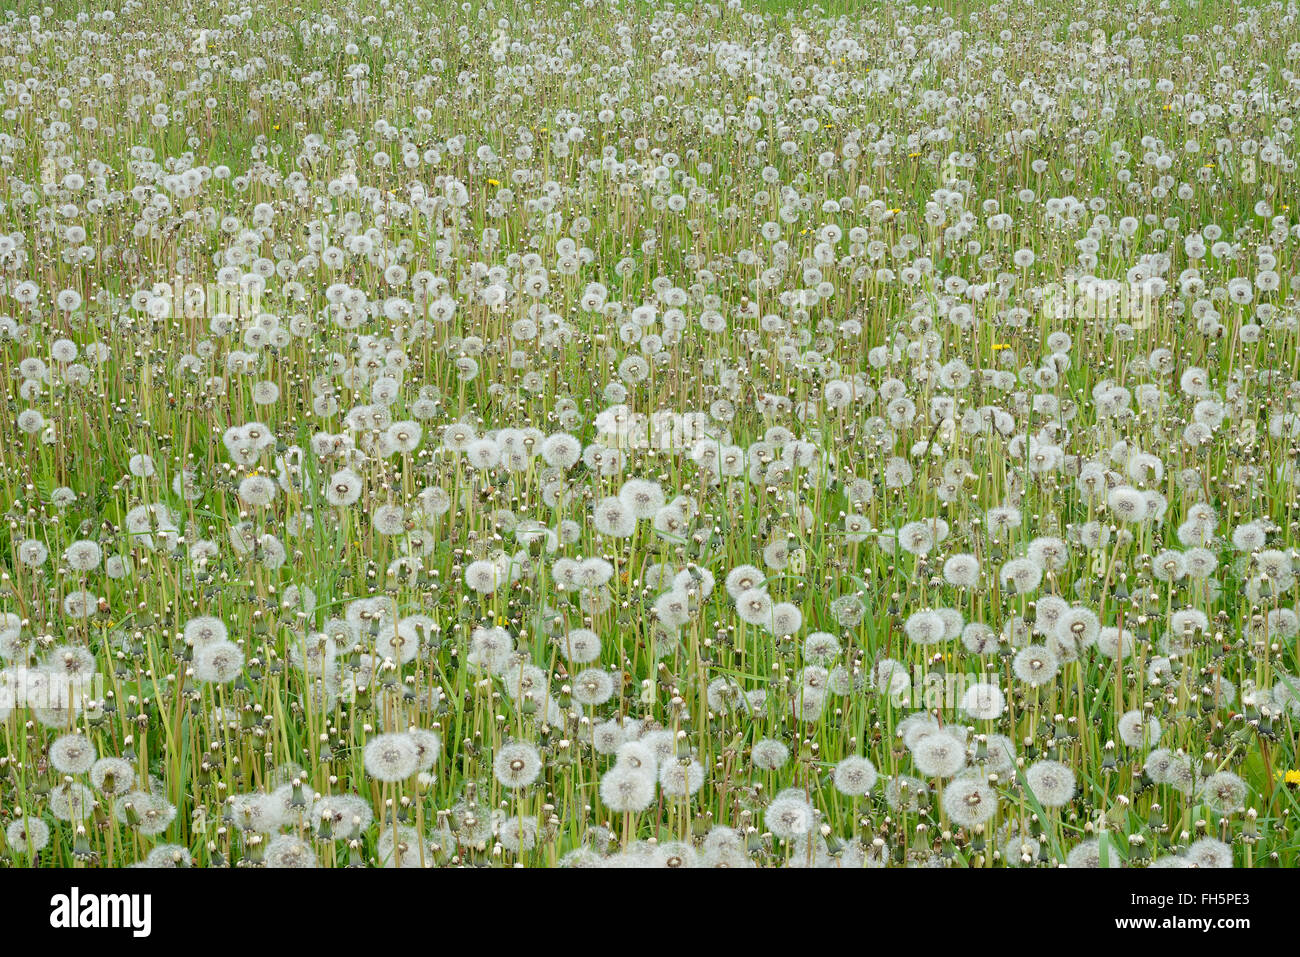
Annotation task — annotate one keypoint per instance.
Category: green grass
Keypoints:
(431, 76)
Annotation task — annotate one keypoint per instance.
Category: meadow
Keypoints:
(597, 434)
